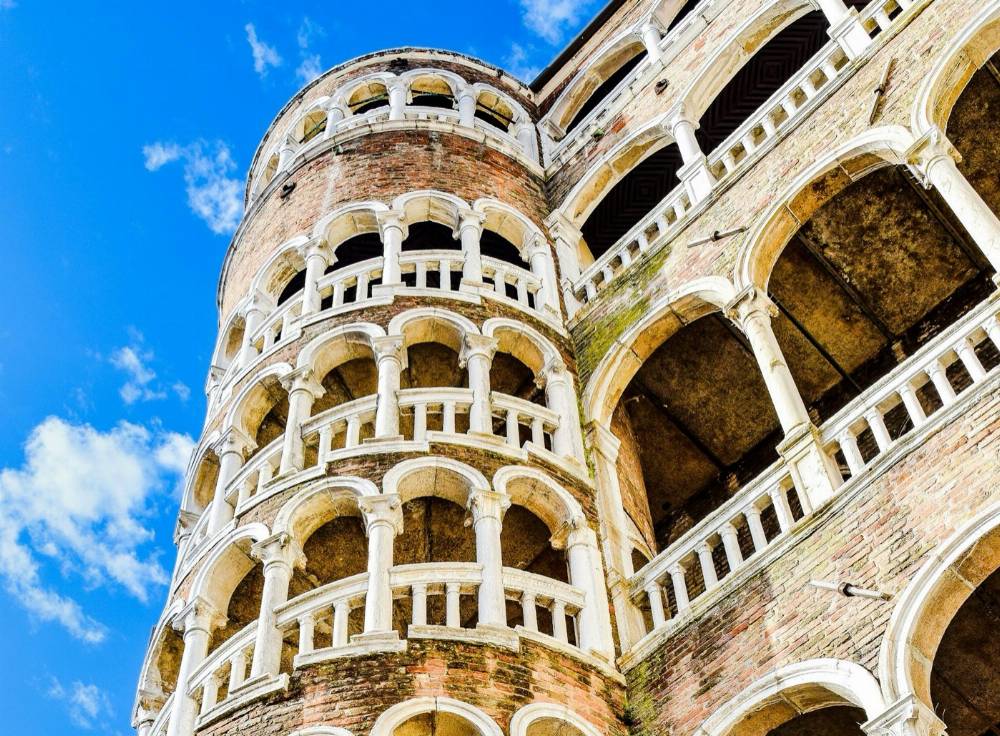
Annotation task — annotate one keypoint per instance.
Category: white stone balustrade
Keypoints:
(688, 566)
(277, 325)
(162, 721)
(525, 285)
(350, 285)
(788, 107)
(439, 263)
(454, 581)
(255, 474)
(563, 601)
(540, 422)
(341, 428)
(924, 373)
(221, 675)
(321, 618)
(446, 408)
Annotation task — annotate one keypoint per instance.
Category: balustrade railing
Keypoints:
(452, 581)
(343, 427)
(524, 421)
(255, 474)
(783, 111)
(319, 621)
(432, 269)
(162, 720)
(277, 325)
(560, 602)
(512, 282)
(350, 285)
(223, 671)
(435, 409)
(930, 380)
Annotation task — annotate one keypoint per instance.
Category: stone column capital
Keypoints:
(487, 504)
(302, 379)
(186, 522)
(391, 347)
(535, 243)
(467, 90)
(552, 129)
(386, 508)
(317, 246)
(749, 302)
(908, 716)
(931, 148)
(603, 440)
(278, 549)
(476, 346)
(391, 219)
(466, 219)
(233, 440)
(197, 615)
(561, 228)
(257, 301)
(678, 114)
(572, 532)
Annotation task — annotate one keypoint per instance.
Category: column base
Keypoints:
(697, 179)
(389, 439)
(851, 35)
(812, 469)
(378, 641)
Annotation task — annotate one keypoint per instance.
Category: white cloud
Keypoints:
(212, 194)
(133, 361)
(86, 703)
(82, 498)
(264, 56)
(550, 18)
(518, 64)
(159, 154)
(308, 32)
(182, 390)
(7, 4)
(309, 69)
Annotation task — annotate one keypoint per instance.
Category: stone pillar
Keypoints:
(524, 133)
(230, 449)
(334, 114)
(694, 173)
(908, 716)
(393, 232)
(566, 238)
(650, 35)
(543, 267)
(285, 154)
(144, 723)
(256, 310)
(186, 522)
(477, 354)
(845, 27)
(390, 357)
(586, 572)
(812, 469)
(469, 232)
(280, 555)
(195, 621)
(303, 389)
(318, 256)
(614, 536)
(467, 107)
(567, 441)
(488, 508)
(383, 521)
(933, 159)
(397, 99)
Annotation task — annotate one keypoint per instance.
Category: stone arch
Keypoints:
(151, 678)
(969, 52)
(199, 486)
(428, 205)
(429, 324)
(225, 566)
(534, 713)
(540, 494)
(251, 405)
(930, 601)
(793, 690)
(280, 268)
(434, 81)
(523, 342)
(613, 167)
(338, 346)
(230, 340)
(316, 503)
(665, 316)
(508, 223)
(362, 94)
(668, 13)
(749, 38)
(432, 475)
(344, 223)
(311, 123)
(499, 105)
(386, 724)
(816, 186)
(603, 65)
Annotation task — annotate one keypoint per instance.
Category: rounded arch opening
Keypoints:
(367, 97)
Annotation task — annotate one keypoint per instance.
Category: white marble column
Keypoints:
(544, 269)
(586, 572)
(567, 441)
(467, 107)
(257, 308)
(694, 173)
(303, 389)
(285, 154)
(279, 554)
(336, 112)
(567, 239)
(933, 159)
(488, 508)
(524, 133)
(812, 469)
(398, 89)
(195, 621)
(383, 521)
(649, 32)
(392, 230)
(470, 231)
(230, 449)
(477, 355)
(845, 27)
(390, 357)
(318, 256)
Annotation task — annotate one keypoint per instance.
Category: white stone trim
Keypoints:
(536, 711)
(386, 723)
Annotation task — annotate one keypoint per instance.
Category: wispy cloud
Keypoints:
(264, 56)
(86, 703)
(7, 4)
(310, 66)
(82, 499)
(141, 384)
(518, 63)
(212, 193)
(551, 18)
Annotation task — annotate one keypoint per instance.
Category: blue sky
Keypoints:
(125, 133)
